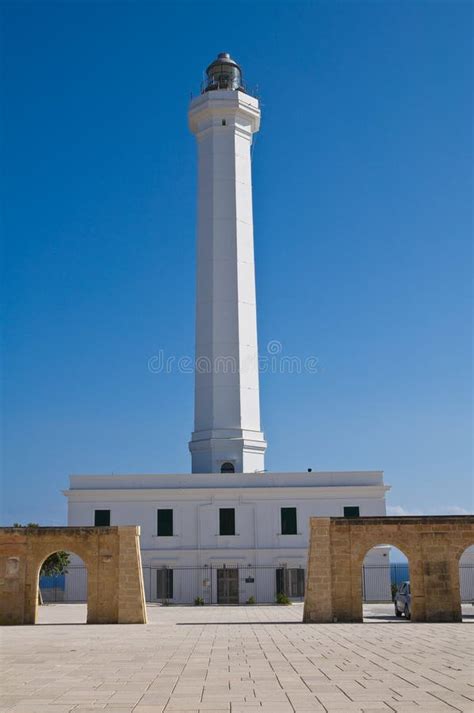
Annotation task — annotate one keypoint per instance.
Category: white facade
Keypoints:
(257, 501)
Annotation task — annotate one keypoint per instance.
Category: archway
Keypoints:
(62, 589)
(115, 591)
(466, 582)
(433, 545)
(386, 591)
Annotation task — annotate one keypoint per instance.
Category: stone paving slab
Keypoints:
(235, 660)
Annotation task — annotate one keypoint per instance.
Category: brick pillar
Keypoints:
(13, 557)
(318, 595)
(346, 574)
(131, 590)
(102, 577)
(440, 577)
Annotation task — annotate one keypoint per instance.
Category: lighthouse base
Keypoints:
(221, 450)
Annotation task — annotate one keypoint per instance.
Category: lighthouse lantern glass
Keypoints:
(223, 75)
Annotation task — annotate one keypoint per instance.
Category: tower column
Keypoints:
(227, 410)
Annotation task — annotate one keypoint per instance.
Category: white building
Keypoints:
(228, 531)
(251, 521)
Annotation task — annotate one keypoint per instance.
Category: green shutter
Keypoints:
(351, 512)
(101, 518)
(165, 523)
(226, 521)
(288, 521)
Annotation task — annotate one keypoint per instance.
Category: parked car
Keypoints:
(402, 600)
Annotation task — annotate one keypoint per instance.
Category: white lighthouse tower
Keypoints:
(227, 435)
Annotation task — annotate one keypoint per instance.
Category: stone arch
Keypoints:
(73, 551)
(458, 542)
(115, 591)
(70, 572)
(363, 545)
(87, 547)
(432, 545)
(465, 560)
(459, 551)
(388, 571)
(366, 546)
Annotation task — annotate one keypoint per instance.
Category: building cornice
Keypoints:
(268, 494)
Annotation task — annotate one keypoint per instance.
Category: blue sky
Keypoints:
(362, 202)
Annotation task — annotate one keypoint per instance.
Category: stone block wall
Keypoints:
(432, 544)
(115, 592)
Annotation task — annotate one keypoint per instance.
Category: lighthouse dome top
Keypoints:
(223, 73)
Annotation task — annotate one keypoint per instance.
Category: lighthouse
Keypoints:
(227, 436)
(227, 533)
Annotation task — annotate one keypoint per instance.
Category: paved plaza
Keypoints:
(235, 660)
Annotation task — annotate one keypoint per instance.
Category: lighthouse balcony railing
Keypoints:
(245, 89)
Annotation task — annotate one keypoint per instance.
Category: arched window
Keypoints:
(227, 468)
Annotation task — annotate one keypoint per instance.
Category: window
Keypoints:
(351, 512)
(226, 521)
(101, 518)
(224, 122)
(290, 581)
(227, 468)
(165, 523)
(288, 521)
(164, 584)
